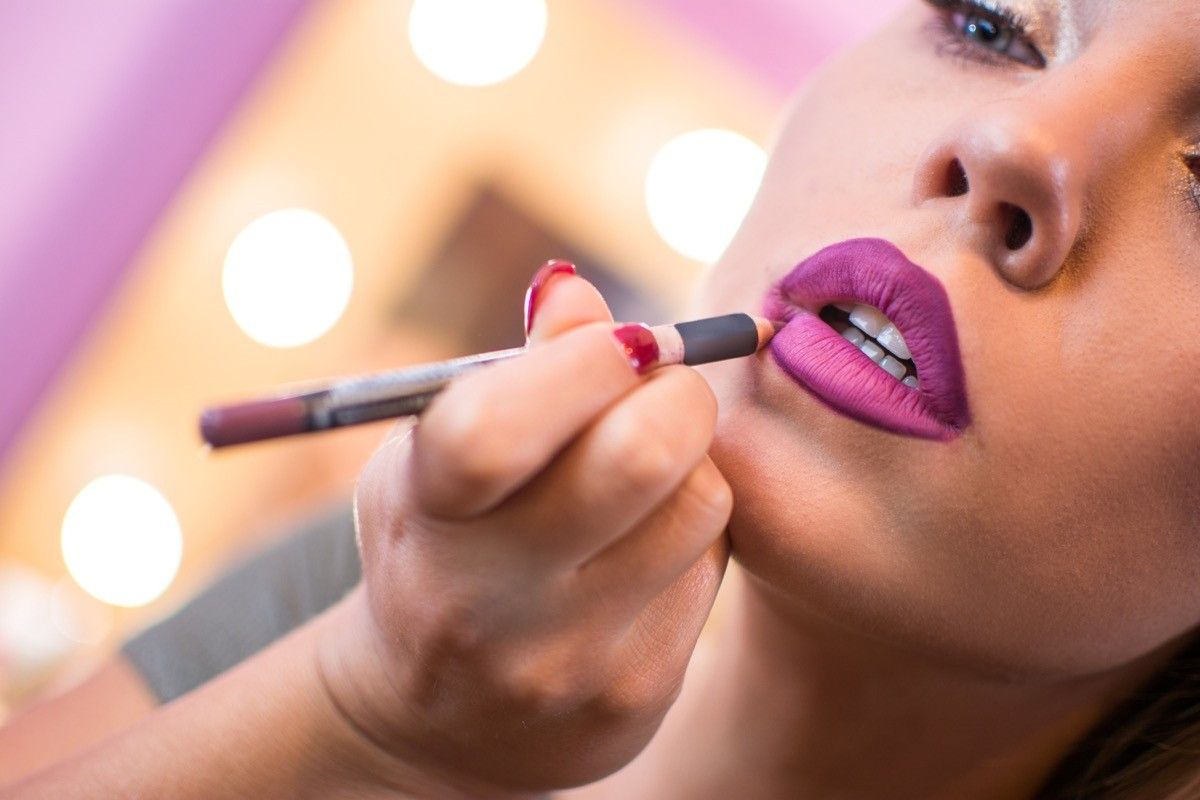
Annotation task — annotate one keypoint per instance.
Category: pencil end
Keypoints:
(251, 422)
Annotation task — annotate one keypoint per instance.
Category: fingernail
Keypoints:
(640, 346)
(542, 277)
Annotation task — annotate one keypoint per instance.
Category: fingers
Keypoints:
(658, 645)
(665, 544)
(618, 471)
(566, 302)
(492, 431)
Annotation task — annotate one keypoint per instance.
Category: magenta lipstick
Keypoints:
(844, 371)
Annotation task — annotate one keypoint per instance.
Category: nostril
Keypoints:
(956, 180)
(1020, 227)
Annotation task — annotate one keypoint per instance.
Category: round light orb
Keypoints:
(287, 277)
(121, 541)
(700, 186)
(476, 42)
(30, 647)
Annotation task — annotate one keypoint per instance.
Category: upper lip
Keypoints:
(875, 272)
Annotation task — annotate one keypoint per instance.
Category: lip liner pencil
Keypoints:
(407, 391)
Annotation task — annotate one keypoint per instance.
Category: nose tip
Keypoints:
(1018, 190)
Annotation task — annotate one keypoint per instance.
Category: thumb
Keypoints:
(559, 300)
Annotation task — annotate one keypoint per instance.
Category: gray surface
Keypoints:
(247, 608)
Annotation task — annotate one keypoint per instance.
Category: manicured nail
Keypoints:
(537, 286)
(640, 346)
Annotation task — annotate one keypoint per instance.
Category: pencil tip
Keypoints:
(767, 328)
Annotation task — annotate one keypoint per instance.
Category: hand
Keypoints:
(540, 554)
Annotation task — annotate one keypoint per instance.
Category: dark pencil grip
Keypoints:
(718, 338)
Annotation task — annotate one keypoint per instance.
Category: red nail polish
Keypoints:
(538, 284)
(641, 348)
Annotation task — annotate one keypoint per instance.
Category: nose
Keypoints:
(1019, 182)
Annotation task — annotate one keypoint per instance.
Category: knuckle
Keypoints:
(689, 397)
(540, 687)
(478, 469)
(644, 456)
(698, 391)
(455, 424)
(462, 440)
(710, 494)
(459, 629)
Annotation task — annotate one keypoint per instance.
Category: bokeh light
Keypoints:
(121, 541)
(700, 186)
(288, 277)
(476, 42)
(29, 644)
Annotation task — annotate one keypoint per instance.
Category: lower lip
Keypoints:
(841, 376)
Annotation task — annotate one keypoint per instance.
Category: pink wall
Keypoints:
(779, 41)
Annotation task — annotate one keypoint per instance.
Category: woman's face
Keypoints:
(1042, 177)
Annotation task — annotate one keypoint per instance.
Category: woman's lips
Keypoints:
(872, 272)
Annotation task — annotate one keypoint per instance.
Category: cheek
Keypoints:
(1092, 450)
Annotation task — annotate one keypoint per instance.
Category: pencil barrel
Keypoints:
(718, 338)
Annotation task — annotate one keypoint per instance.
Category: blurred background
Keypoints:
(201, 199)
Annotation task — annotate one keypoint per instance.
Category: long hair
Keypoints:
(1147, 748)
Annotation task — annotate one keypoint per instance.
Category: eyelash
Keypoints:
(955, 14)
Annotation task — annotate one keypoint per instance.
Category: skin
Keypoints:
(906, 618)
(1048, 557)
(1058, 536)
(109, 700)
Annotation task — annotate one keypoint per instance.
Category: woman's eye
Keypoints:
(983, 33)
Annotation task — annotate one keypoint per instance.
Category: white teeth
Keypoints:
(869, 320)
(873, 323)
(879, 340)
(854, 336)
(893, 367)
(890, 338)
(871, 351)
